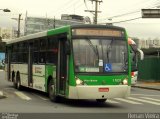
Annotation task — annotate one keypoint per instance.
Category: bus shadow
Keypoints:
(133, 88)
(88, 103)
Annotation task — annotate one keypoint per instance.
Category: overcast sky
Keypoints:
(110, 9)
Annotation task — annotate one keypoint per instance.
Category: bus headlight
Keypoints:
(125, 82)
(78, 81)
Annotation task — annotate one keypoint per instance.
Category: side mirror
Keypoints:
(67, 47)
(134, 47)
(141, 54)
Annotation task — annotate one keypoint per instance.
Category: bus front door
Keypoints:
(62, 67)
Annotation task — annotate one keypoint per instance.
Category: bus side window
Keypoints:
(42, 57)
(52, 50)
(35, 57)
(13, 53)
(42, 51)
(36, 52)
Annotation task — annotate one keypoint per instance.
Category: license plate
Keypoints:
(103, 89)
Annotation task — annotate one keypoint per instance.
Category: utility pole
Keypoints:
(54, 23)
(19, 23)
(95, 12)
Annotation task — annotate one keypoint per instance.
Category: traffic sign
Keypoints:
(150, 13)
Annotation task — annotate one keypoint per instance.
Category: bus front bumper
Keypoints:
(99, 92)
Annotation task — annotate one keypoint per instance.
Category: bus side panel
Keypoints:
(22, 69)
(39, 77)
(23, 74)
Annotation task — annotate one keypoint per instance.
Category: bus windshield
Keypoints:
(107, 55)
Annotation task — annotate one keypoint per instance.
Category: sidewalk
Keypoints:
(148, 85)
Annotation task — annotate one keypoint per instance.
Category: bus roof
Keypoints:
(60, 30)
(40, 34)
(31, 36)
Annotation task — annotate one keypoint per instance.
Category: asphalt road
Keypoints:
(31, 101)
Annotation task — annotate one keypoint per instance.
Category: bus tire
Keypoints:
(101, 100)
(18, 81)
(51, 91)
(14, 80)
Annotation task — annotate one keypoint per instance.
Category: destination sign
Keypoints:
(98, 32)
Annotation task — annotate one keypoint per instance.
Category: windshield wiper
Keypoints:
(95, 49)
(109, 49)
(125, 61)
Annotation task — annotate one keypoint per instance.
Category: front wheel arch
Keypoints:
(51, 91)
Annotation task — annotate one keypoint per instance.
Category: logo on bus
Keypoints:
(108, 67)
(38, 70)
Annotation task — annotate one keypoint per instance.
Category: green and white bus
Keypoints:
(74, 62)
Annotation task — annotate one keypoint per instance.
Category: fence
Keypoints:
(149, 69)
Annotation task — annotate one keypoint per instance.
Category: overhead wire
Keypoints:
(127, 20)
(156, 3)
(60, 7)
(67, 6)
(128, 13)
(87, 7)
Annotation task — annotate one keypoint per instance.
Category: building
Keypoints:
(72, 17)
(6, 33)
(143, 44)
(35, 24)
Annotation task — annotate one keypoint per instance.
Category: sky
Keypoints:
(112, 11)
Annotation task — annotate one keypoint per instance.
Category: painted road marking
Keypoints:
(146, 95)
(151, 99)
(1, 93)
(22, 95)
(128, 101)
(142, 100)
(40, 97)
(111, 101)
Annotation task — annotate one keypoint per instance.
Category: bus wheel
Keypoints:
(14, 82)
(51, 91)
(18, 82)
(101, 100)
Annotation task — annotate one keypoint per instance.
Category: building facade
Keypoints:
(35, 24)
(6, 33)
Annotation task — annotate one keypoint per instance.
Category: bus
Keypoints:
(73, 62)
(136, 54)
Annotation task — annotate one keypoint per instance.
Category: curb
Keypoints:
(150, 88)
